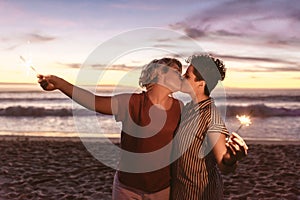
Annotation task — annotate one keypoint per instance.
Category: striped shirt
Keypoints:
(195, 174)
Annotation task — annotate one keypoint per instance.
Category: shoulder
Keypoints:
(181, 104)
(128, 95)
(213, 108)
(129, 98)
(124, 103)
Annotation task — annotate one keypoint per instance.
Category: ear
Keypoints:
(201, 83)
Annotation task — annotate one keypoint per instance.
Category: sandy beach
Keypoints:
(61, 168)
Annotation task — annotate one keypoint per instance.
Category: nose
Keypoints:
(184, 76)
(179, 74)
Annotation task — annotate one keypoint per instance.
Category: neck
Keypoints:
(158, 94)
(198, 97)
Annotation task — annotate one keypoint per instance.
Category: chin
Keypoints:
(174, 89)
(184, 90)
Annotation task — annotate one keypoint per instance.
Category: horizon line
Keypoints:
(111, 85)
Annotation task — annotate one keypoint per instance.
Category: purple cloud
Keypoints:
(14, 42)
(264, 19)
(35, 37)
(259, 59)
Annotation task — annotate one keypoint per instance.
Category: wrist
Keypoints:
(229, 162)
(58, 82)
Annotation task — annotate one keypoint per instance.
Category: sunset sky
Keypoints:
(258, 41)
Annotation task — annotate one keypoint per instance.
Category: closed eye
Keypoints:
(186, 76)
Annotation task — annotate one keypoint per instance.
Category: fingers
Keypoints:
(239, 140)
(242, 145)
(42, 78)
(44, 84)
(43, 81)
(235, 135)
(237, 146)
(230, 148)
(234, 148)
(39, 76)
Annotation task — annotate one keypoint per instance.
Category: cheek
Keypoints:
(186, 84)
(174, 77)
(175, 80)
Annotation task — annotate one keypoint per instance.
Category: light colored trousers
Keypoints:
(123, 192)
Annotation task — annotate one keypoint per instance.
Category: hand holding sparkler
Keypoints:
(48, 82)
(236, 150)
(237, 146)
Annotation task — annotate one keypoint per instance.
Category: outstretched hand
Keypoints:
(48, 82)
(237, 146)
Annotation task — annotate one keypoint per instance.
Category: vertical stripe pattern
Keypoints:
(195, 174)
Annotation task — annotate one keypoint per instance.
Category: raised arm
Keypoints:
(101, 104)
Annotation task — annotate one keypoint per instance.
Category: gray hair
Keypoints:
(150, 72)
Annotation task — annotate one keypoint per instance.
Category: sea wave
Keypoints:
(258, 110)
(291, 98)
(261, 110)
(229, 97)
(31, 111)
(13, 99)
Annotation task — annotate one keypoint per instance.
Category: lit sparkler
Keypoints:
(28, 64)
(244, 120)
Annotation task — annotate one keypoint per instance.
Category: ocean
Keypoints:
(275, 114)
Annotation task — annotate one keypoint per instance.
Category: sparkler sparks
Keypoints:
(244, 120)
(28, 64)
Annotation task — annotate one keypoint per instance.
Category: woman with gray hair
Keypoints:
(140, 114)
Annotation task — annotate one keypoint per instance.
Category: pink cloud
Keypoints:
(11, 13)
(135, 6)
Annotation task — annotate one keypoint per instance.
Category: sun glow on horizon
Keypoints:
(233, 79)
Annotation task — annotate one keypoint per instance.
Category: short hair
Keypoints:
(149, 74)
(209, 69)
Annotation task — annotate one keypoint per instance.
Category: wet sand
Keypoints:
(61, 168)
